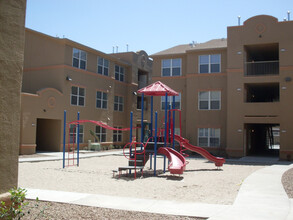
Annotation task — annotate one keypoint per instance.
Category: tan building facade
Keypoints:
(60, 74)
(236, 92)
(11, 64)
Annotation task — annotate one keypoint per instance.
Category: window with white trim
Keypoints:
(117, 135)
(79, 59)
(103, 66)
(210, 63)
(170, 101)
(118, 103)
(73, 132)
(209, 100)
(119, 73)
(101, 100)
(100, 134)
(209, 137)
(77, 96)
(171, 67)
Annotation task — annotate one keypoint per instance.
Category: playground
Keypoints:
(201, 181)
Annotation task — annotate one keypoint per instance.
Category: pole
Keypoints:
(64, 137)
(78, 139)
(152, 109)
(155, 157)
(130, 136)
(142, 128)
(166, 115)
(173, 138)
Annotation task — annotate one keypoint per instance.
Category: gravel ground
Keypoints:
(50, 210)
(287, 180)
(201, 182)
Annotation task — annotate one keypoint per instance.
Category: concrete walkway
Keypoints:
(50, 156)
(261, 196)
(128, 203)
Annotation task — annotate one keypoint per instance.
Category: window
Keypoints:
(209, 100)
(119, 73)
(77, 96)
(170, 100)
(103, 66)
(101, 100)
(210, 63)
(73, 133)
(209, 137)
(118, 103)
(101, 134)
(138, 103)
(171, 67)
(117, 135)
(79, 59)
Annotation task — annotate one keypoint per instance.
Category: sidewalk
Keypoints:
(128, 203)
(261, 196)
(50, 156)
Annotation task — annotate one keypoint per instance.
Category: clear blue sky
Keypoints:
(150, 25)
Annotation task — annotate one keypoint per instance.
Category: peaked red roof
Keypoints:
(158, 89)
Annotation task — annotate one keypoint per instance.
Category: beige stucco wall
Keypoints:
(256, 31)
(45, 79)
(11, 66)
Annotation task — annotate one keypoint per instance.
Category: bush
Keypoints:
(15, 210)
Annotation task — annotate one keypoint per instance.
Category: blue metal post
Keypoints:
(142, 128)
(78, 139)
(152, 109)
(156, 128)
(64, 137)
(166, 115)
(130, 136)
(173, 138)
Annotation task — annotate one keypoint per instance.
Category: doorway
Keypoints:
(48, 136)
(262, 139)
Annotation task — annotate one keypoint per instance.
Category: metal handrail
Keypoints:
(257, 68)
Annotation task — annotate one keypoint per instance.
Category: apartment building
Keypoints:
(235, 93)
(60, 74)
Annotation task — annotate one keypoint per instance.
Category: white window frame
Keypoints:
(119, 103)
(71, 133)
(170, 101)
(117, 133)
(78, 96)
(171, 67)
(103, 66)
(102, 100)
(102, 131)
(120, 73)
(209, 100)
(209, 135)
(79, 58)
(209, 63)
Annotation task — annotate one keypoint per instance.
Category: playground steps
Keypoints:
(138, 163)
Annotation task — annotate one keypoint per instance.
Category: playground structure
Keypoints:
(160, 141)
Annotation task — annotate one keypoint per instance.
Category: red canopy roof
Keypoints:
(158, 89)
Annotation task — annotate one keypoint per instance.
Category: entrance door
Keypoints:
(48, 137)
(262, 139)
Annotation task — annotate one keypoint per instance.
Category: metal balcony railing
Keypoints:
(259, 68)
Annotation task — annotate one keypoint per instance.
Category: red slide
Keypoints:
(219, 161)
(177, 161)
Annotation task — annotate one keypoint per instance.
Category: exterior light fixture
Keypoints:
(68, 78)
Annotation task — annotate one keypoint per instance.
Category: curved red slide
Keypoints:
(219, 161)
(177, 161)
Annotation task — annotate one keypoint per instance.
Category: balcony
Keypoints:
(261, 68)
